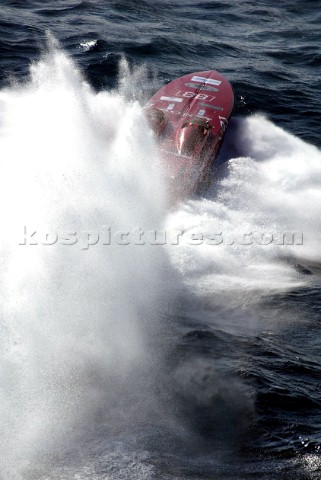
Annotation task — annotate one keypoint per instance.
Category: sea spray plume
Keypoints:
(80, 330)
(137, 82)
(270, 188)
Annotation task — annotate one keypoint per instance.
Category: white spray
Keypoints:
(78, 313)
(260, 218)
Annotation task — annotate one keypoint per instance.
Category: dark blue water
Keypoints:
(230, 385)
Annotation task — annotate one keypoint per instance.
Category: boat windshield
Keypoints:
(193, 132)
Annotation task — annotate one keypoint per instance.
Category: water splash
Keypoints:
(78, 325)
(270, 187)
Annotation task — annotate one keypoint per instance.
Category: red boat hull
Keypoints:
(190, 116)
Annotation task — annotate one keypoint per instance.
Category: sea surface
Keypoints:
(125, 355)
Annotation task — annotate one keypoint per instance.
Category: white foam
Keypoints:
(273, 188)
